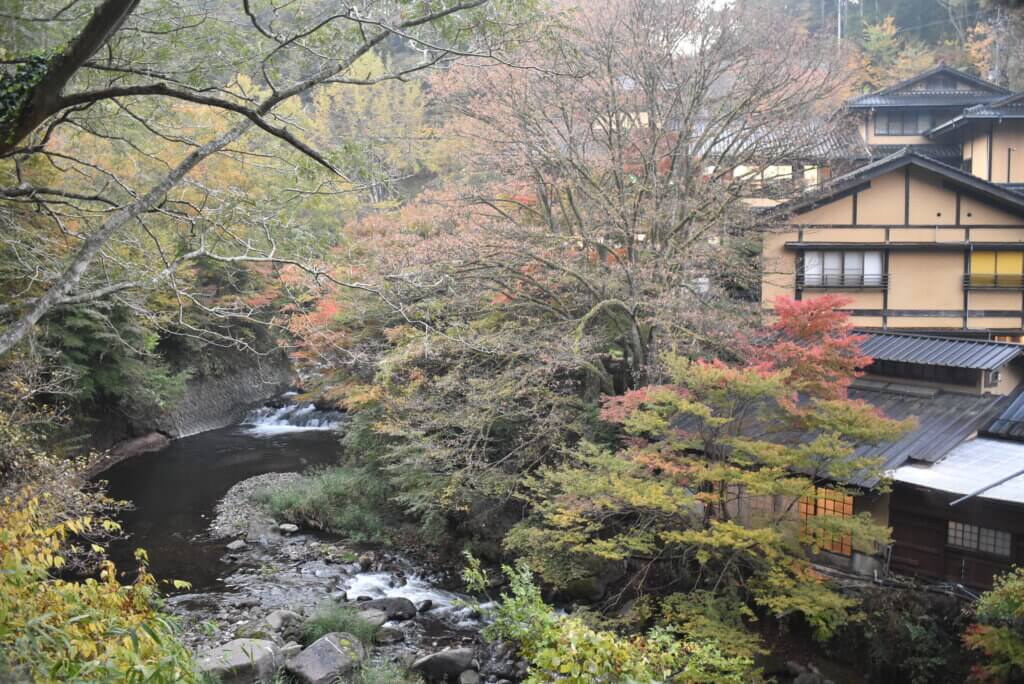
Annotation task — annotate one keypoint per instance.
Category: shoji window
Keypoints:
(847, 268)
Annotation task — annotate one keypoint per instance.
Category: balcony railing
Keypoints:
(827, 280)
(994, 281)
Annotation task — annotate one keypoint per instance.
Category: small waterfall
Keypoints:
(448, 606)
(267, 421)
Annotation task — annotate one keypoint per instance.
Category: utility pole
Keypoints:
(839, 24)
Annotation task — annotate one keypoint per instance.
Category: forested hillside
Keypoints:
(894, 39)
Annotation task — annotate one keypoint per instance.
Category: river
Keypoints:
(174, 490)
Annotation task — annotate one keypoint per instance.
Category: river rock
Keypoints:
(388, 635)
(254, 629)
(469, 677)
(242, 661)
(424, 605)
(449, 663)
(395, 607)
(288, 528)
(236, 545)
(374, 616)
(282, 620)
(328, 659)
(365, 561)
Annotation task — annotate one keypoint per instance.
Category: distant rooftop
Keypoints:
(1010, 423)
(941, 86)
(952, 352)
(1009, 107)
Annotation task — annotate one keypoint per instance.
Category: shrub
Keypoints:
(564, 648)
(905, 636)
(98, 630)
(343, 500)
(999, 632)
(337, 618)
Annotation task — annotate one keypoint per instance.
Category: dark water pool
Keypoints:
(175, 490)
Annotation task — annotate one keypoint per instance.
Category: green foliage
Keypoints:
(334, 617)
(93, 631)
(344, 500)
(113, 356)
(564, 648)
(15, 88)
(999, 631)
(706, 493)
(904, 636)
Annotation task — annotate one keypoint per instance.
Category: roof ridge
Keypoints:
(937, 69)
(947, 338)
(997, 192)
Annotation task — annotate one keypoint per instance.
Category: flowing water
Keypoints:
(174, 490)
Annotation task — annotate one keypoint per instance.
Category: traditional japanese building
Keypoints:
(926, 242)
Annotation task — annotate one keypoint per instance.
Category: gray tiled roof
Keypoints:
(994, 193)
(903, 95)
(951, 352)
(1010, 107)
(1010, 423)
(924, 98)
(800, 140)
(944, 420)
(949, 154)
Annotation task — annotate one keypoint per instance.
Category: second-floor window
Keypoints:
(846, 268)
(902, 123)
(996, 269)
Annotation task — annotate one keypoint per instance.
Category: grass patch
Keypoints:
(346, 501)
(337, 618)
(385, 673)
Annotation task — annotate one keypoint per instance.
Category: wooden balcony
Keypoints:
(836, 281)
(993, 281)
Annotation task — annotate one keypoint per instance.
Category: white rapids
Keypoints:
(448, 605)
(268, 421)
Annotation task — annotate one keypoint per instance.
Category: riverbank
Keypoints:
(276, 578)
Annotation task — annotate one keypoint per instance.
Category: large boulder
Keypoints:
(282, 620)
(446, 664)
(373, 616)
(332, 657)
(396, 608)
(242, 661)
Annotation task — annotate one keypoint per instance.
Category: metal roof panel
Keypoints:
(951, 352)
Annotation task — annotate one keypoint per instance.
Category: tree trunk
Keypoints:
(46, 97)
(16, 331)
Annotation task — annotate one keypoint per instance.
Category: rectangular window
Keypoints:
(873, 269)
(853, 268)
(829, 502)
(833, 269)
(902, 123)
(812, 269)
(997, 269)
(974, 538)
(847, 268)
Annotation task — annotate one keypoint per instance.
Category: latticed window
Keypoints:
(829, 502)
(976, 538)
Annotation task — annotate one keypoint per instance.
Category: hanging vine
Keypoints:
(16, 89)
